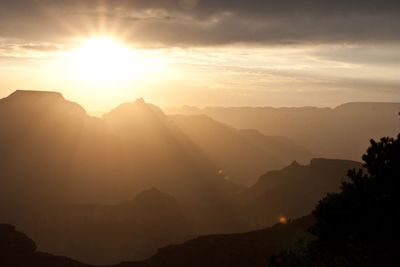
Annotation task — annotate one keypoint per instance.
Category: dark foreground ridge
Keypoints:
(244, 249)
(18, 250)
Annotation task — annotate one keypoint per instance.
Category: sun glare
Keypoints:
(105, 59)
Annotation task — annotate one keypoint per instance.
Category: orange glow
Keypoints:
(283, 220)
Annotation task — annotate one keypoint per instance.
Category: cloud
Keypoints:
(205, 22)
(23, 50)
(386, 55)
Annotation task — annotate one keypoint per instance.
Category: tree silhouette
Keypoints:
(360, 225)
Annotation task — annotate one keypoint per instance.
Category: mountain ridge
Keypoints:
(340, 132)
(239, 249)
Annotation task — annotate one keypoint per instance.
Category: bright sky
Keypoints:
(201, 53)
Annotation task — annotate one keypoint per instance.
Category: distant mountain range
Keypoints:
(341, 132)
(118, 187)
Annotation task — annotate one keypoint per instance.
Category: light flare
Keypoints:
(283, 220)
(105, 59)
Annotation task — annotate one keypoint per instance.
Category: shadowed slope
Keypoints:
(242, 156)
(43, 140)
(154, 144)
(296, 189)
(107, 234)
(234, 250)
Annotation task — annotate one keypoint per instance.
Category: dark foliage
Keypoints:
(360, 225)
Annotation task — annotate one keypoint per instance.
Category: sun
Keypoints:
(102, 59)
(105, 59)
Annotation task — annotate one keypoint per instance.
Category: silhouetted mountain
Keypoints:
(296, 189)
(341, 132)
(242, 156)
(41, 139)
(245, 249)
(234, 250)
(17, 250)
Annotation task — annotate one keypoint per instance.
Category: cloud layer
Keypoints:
(205, 22)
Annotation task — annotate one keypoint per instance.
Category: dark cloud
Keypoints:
(377, 55)
(206, 22)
